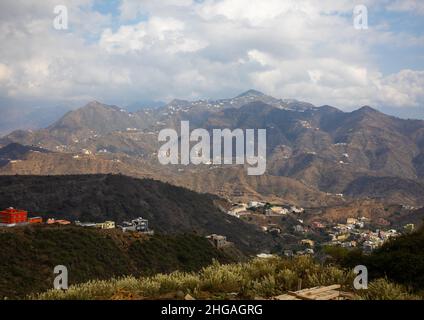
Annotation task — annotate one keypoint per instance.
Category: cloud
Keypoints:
(415, 6)
(405, 88)
(5, 72)
(199, 49)
(166, 33)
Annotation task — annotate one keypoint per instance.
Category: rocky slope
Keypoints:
(319, 151)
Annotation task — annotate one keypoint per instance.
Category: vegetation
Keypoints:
(96, 198)
(29, 255)
(257, 278)
(400, 260)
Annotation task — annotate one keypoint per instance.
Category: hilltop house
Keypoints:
(276, 211)
(60, 222)
(35, 220)
(295, 209)
(11, 217)
(351, 221)
(256, 204)
(85, 224)
(106, 225)
(138, 225)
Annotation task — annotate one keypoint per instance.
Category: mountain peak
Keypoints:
(251, 93)
(367, 110)
(94, 103)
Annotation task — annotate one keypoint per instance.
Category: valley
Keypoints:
(333, 179)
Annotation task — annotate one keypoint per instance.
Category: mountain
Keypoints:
(98, 117)
(25, 117)
(251, 93)
(398, 189)
(16, 151)
(96, 198)
(314, 154)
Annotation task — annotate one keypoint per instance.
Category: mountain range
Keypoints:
(316, 155)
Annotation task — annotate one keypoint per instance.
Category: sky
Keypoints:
(125, 52)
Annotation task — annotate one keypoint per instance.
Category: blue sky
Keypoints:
(127, 51)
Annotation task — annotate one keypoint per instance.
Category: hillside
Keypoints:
(32, 253)
(15, 151)
(398, 189)
(400, 260)
(114, 197)
(321, 151)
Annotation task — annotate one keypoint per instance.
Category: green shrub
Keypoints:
(382, 289)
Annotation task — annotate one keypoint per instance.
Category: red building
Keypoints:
(12, 216)
(35, 220)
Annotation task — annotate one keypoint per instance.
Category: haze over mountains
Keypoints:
(315, 154)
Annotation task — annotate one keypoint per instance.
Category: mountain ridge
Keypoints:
(323, 148)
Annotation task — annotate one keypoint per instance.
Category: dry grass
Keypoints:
(257, 278)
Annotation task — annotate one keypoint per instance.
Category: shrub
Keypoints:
(382, 289)
(256, 278)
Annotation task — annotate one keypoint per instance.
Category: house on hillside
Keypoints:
(276, 211)
(237, 209)
(60, 222)
(218, 241)
(295, 209)
(352, 221)
(255, 204)
(106, 225)
(35, 220)
(138, 225)
(12, 217)
(85, 224)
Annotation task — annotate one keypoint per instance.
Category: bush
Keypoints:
(256, 278)
(382, 289)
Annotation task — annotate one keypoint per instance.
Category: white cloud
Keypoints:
(405, 88)
(416, 6)
(294, 49)
(166, 33)
(5, 72)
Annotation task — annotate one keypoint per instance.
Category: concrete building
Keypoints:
(106, 225)
(218, 241)
(12, 216)
(60, 222)
(85, 224)
(35, 220)
(138, 225)
(351, 221)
